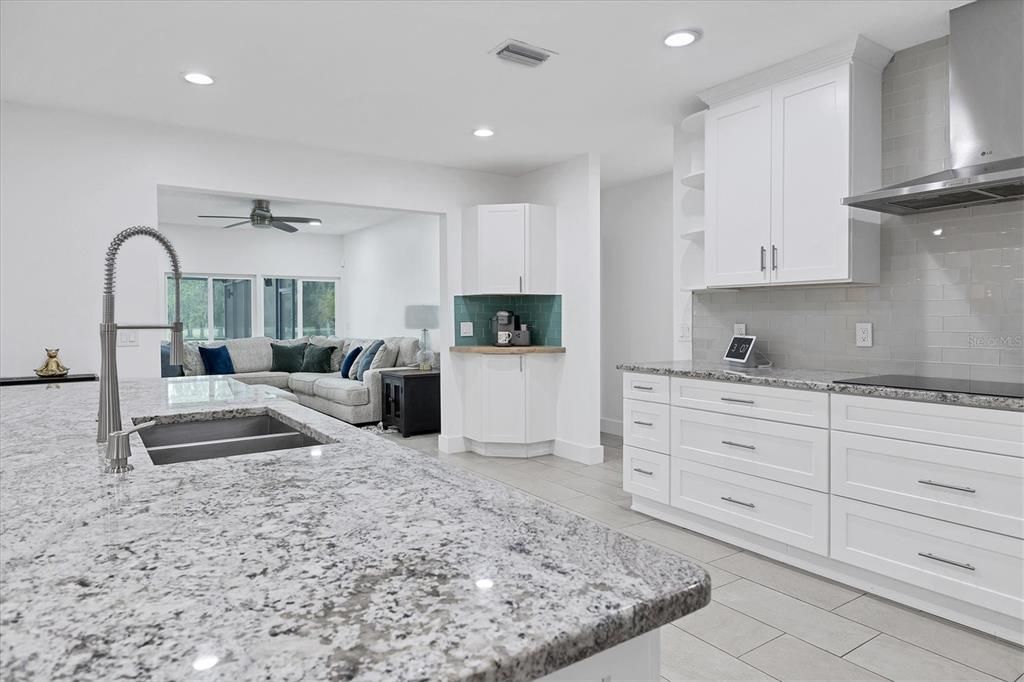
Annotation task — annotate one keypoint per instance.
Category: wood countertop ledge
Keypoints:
(507, 350)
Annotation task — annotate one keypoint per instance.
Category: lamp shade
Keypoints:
(421, 317)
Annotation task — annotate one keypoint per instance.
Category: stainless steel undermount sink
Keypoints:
(191, 441)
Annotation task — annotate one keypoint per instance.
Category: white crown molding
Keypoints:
(858, 49)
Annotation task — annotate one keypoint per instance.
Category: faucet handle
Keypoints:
(118, 449)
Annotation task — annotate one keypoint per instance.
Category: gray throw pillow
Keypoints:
(385, 357)
(366, 359)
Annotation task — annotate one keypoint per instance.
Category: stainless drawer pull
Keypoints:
(745, 504)
(739, 445)
(644, 423)
(961, 488)
(737, 400)
(644, 388)
(928, 555)
(641, 471)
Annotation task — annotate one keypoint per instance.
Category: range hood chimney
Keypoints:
(986, 117)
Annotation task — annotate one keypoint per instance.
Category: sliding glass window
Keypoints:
(317, 308)
(213, 308)
(295, 307)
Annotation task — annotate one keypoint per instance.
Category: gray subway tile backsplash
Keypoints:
(951, 297)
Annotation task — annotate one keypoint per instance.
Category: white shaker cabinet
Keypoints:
(737, 191)
(509, 249)
(511, 402)
(783, 148)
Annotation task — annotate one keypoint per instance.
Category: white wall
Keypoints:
(574, 188)
(388, 267)
(70, 181)
(636, 283)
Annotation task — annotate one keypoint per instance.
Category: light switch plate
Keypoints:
(465, 329)
(739, 329)
(864, 335)
(685, 334)
(127, 337)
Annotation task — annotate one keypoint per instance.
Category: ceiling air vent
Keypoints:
(522, 53)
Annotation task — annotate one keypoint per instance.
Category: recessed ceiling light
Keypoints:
(682, 38)
(483, 132)
(196, 78)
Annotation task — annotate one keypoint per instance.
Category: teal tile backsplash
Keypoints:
(541, 313)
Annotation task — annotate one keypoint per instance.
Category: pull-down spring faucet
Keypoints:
(110, 400)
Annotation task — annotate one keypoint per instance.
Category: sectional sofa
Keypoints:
(356, 402)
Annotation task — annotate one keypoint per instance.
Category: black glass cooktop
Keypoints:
(1001, 389)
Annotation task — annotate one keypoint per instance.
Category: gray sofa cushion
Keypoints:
(408, 346)
(302, 382)
(342, 391)
(275, 379)
(248, 355)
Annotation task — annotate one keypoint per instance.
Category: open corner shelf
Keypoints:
(694, 180)
(693, 124)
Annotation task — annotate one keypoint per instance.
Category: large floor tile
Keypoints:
(560, 463)
(788, 658)
(684, 541)
(546, 490)
(820, 592)
(731, 631)
(596, 488)
(899, 660)
(821, 628)
(600, 473)
(603, 512)
(974, 649)
(685, 658)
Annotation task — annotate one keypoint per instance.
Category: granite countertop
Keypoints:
(817, 380)
(507, 350)
(358, 559)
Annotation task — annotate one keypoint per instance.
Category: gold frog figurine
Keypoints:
(52, 367)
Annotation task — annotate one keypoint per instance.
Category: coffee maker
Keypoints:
(504, 324)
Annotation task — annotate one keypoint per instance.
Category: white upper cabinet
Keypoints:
(737, 191)
(784, 146)
(509, 249)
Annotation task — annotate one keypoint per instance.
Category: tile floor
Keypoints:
(766, 621)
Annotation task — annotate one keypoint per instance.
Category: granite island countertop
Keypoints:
(357, 559)
(817, 380)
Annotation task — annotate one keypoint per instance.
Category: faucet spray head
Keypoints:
(177, 345)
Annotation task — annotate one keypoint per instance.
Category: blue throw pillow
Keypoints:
(346, 364)
(217, 360)
(367, 359)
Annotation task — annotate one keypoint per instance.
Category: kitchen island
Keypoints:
(355, 559)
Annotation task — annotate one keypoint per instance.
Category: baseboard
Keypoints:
(612, 426)
(584, 454)
(521, 450)
(450, 444)
(959, 612)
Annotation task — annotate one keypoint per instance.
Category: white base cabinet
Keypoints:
(510, 402)
(920, 503)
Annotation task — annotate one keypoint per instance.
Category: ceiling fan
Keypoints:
(262, 217)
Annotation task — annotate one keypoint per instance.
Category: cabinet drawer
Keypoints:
(782, 452)
(645, 425)
(971, 428)
(972, 488)
(650, 387)
(808, 408)
(964, 563)
(792, 515)
(645, 473)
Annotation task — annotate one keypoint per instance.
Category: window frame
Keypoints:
(209, 277)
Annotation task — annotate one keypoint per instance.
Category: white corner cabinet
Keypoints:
(509, 249)
(916, 502)
(783, 147)
(510, 402)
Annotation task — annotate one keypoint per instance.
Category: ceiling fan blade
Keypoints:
(298, 220)
(244, 222)
(285, 227)
(236, 217)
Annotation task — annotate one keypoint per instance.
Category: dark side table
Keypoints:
(411, 400)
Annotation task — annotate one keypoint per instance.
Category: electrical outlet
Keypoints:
(739, 329)
(864, 335)
(127, 337)
(465, 329)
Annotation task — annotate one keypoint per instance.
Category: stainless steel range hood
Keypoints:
(986, 117)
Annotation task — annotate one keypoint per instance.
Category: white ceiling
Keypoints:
(180, 206)
(412, 79)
